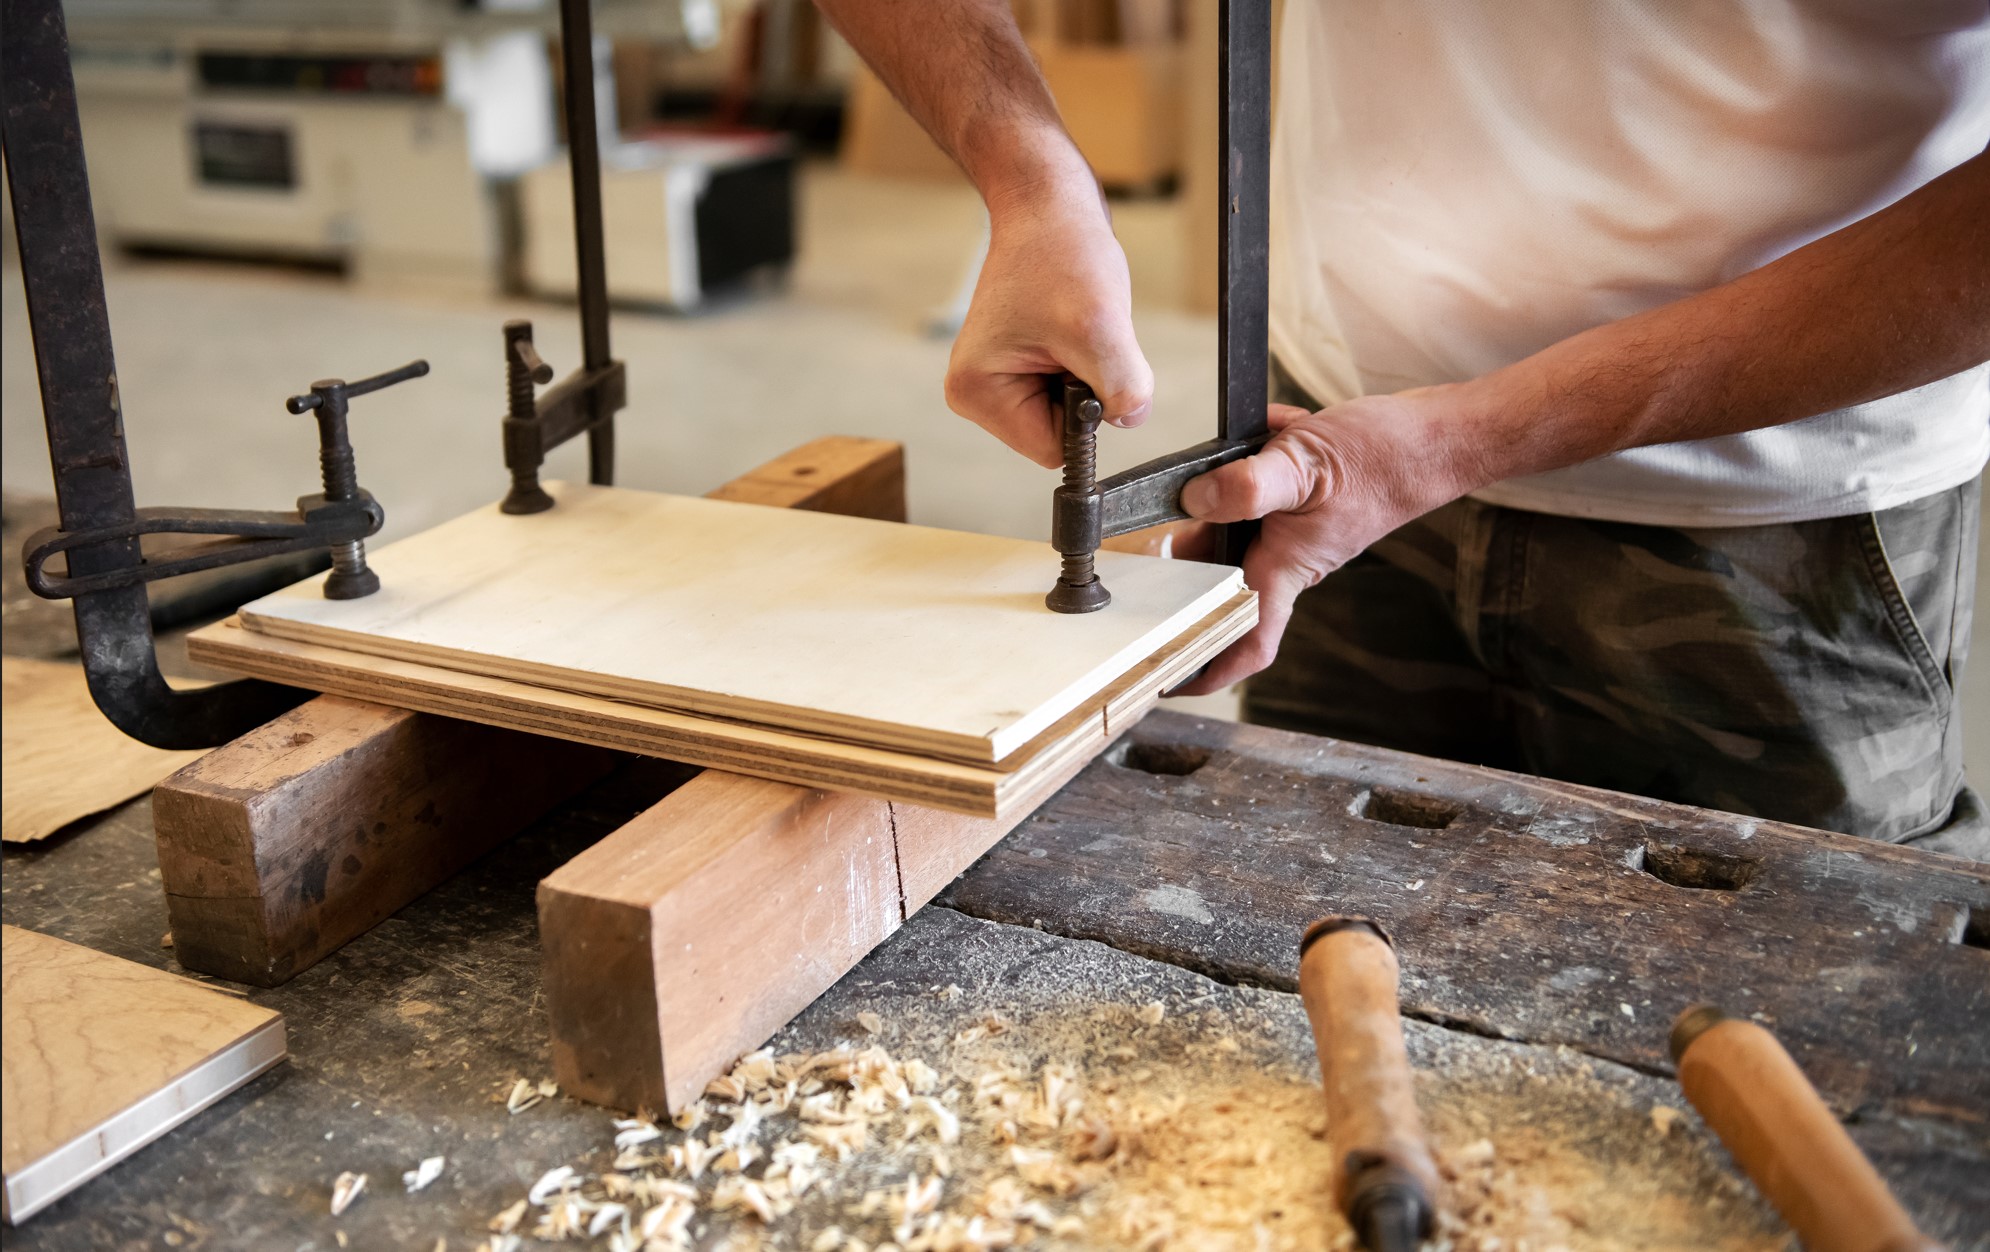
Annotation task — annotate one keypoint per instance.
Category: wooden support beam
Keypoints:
(834, 474)
(282, 846)
(693, 933)
(278, 848)
(712, 918)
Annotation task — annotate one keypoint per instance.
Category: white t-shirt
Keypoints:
(1456, 185)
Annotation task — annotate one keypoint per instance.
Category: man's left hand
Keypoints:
(1326, 486)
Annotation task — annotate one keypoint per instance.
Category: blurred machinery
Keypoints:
(377, 135)
(684, 213)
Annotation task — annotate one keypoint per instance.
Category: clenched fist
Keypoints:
(1053, 298)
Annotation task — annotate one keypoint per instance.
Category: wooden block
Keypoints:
(101, 1056)
(713, 917)
(908, 638)
(834, 474)
(310, 830)
(257, 849)
(60, 761)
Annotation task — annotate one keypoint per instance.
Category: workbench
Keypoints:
(1548, 933)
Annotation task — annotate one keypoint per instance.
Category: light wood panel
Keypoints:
(60, 761)
(982, 790)
(889, 636)
(102, 1056)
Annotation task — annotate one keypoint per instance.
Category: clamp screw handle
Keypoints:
(1078, 588)
(330, 399)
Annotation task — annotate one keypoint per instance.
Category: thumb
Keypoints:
(1272, 481)
(1117, 371)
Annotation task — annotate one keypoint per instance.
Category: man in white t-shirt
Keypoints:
(1633, 367)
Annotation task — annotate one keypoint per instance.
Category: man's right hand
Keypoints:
(1053, 298)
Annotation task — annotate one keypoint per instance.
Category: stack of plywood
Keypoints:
(1115, 68)
(905, 662)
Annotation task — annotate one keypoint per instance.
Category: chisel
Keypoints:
(1385, 1181)
(1777, 1128)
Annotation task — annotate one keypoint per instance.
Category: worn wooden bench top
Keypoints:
(1528, 912)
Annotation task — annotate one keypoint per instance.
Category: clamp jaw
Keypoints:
(585, 400)
(341, 518)
(1085, 513)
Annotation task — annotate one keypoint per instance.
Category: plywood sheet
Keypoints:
(102, 1056)
(60, 761)
(889, 636)
(785, 756)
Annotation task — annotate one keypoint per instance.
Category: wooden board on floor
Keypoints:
(905, 638)
(982, 790)
(59, 759)
(102, 1056)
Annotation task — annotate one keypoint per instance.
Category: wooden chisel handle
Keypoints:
(1348, 979)
(1779, 1131)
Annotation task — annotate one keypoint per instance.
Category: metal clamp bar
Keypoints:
(1242, 317)
(243, 535)
(62, 275)
(1151, 494)
(590, 248)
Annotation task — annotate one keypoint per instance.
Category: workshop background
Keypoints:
(267, 223)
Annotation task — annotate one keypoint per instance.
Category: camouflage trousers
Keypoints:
(1804, 672)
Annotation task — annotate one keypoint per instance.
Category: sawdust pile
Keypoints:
(1000, 1146)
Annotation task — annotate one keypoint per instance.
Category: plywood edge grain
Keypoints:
(102, 1055)
(43, 1181)
(715, 743)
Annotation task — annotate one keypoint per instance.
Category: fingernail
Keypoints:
(1195, 498)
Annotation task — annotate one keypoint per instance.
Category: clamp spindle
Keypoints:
(1076, 521)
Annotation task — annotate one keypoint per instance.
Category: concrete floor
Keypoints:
(207, 352)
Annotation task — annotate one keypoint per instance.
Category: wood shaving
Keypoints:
(550, 1183)
(423, 1174)
(1205, 1148)
(506, 1222)
(872, 1024)
(524, 1094)
(1663, 1119)
(346, 1189)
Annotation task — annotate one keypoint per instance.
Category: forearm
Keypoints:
(961, 68)
(1891, 302)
